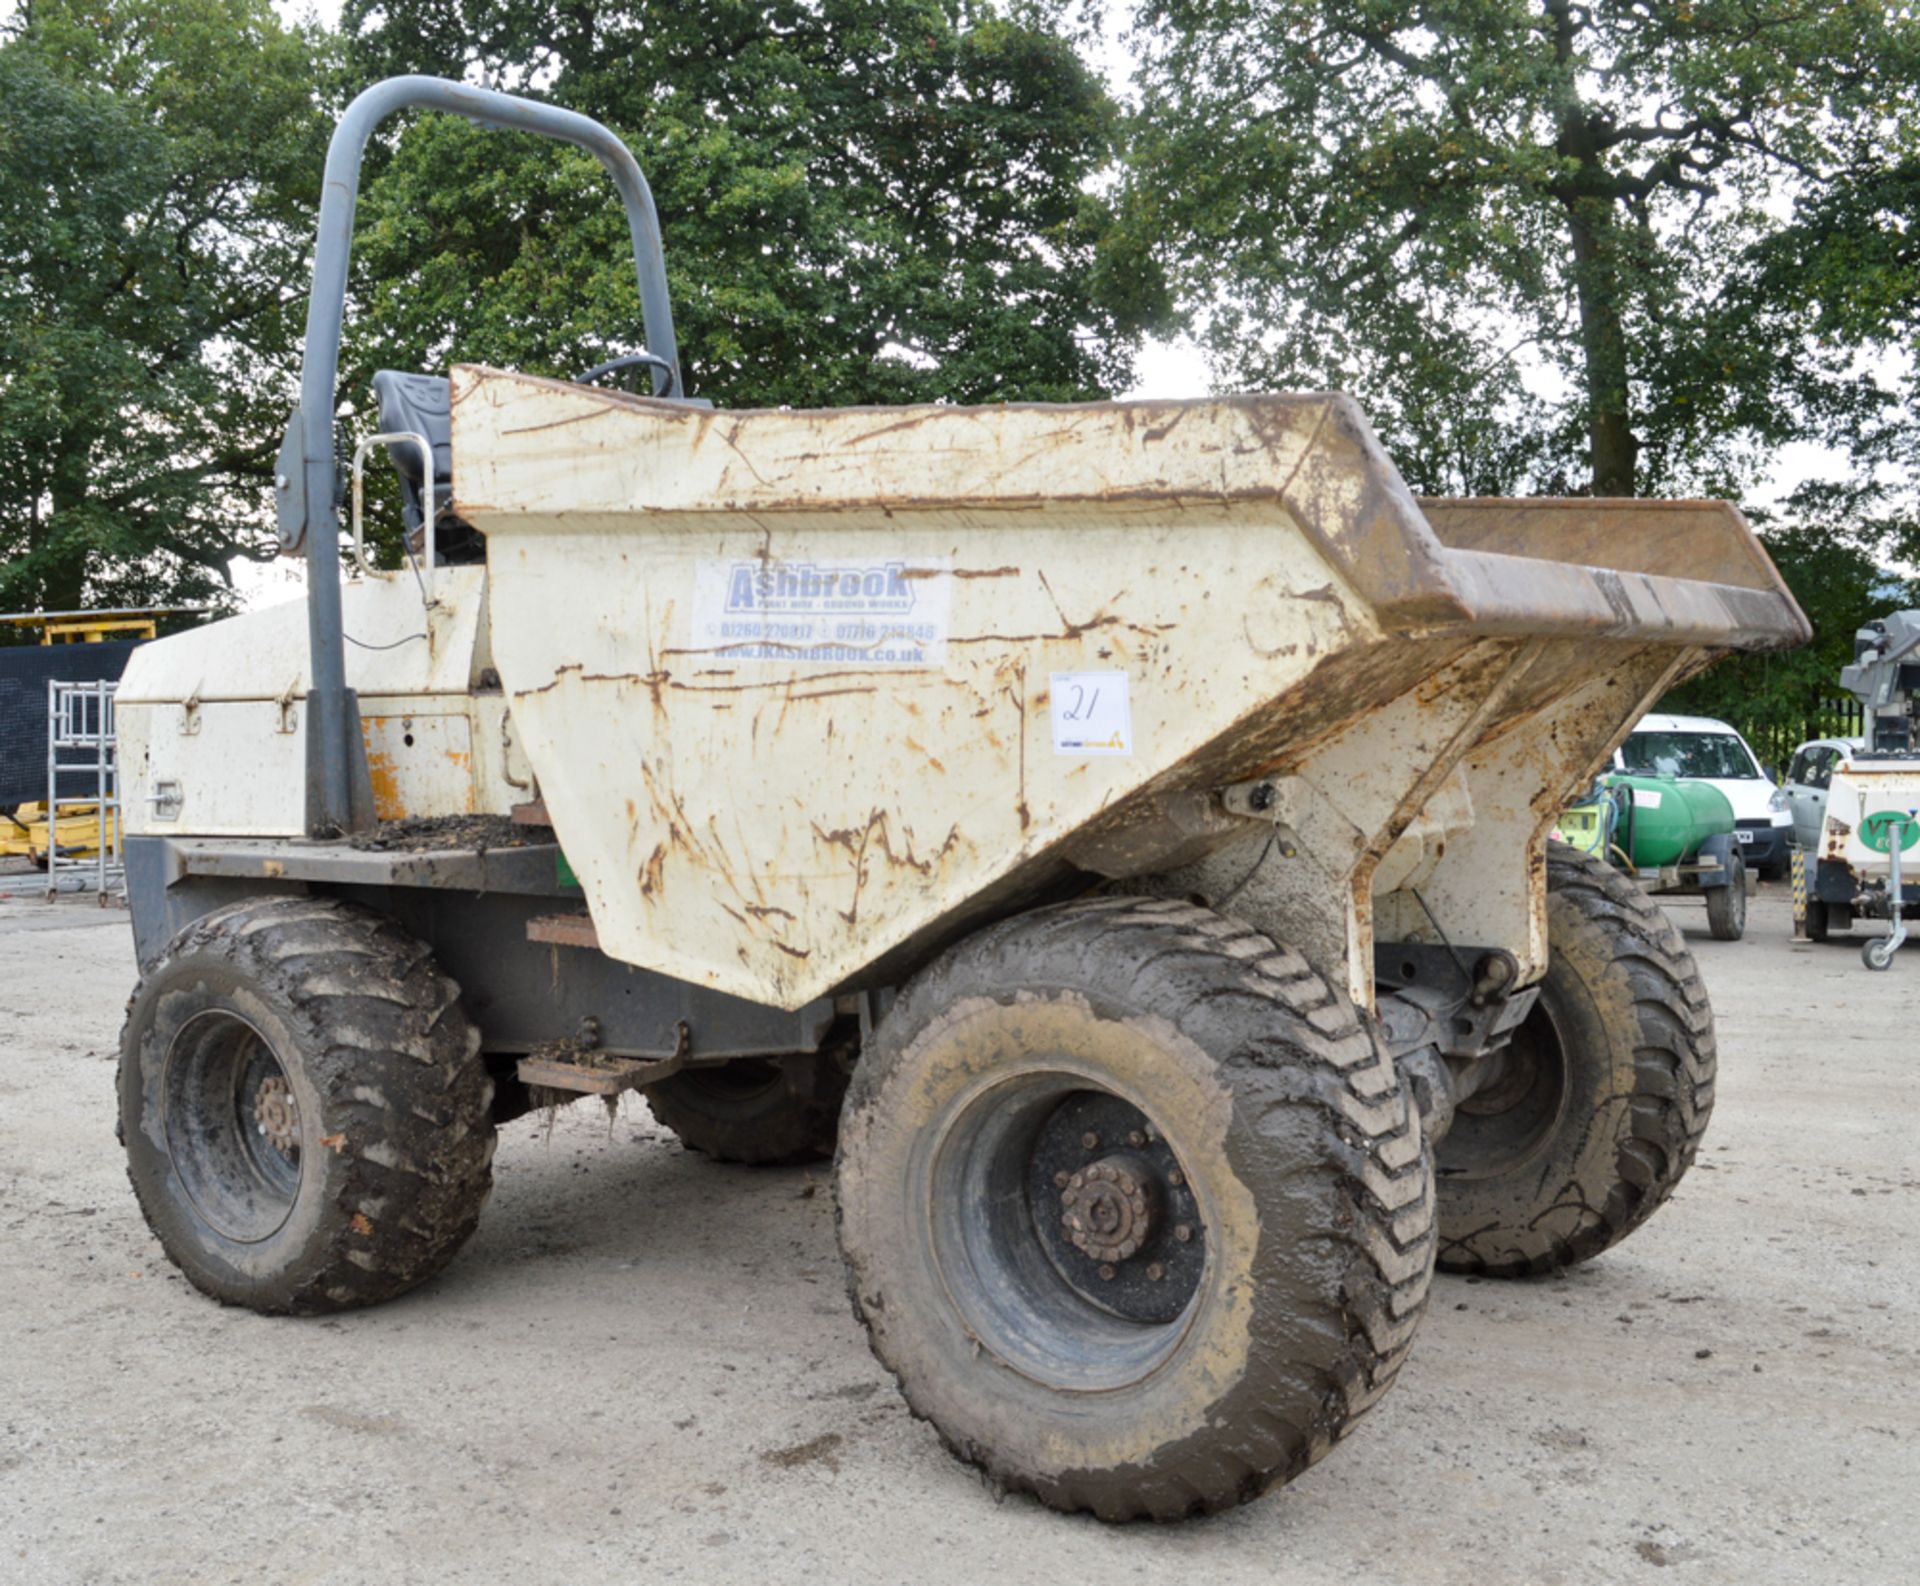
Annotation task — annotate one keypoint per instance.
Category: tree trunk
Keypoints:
(63, 571)
(1613, 448)
(1588, 195)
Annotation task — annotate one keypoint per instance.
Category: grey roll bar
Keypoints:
(339, 793)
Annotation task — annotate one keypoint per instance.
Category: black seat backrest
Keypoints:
(422, 404)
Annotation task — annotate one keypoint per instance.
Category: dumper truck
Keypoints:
(1116, 830)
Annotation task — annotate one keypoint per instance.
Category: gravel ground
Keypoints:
(643, 1367)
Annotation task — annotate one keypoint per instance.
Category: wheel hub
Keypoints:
(276, 1114)
(1108, 1208)
(1113, 1209)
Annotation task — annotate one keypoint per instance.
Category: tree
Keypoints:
(159, 160)
(1546, 242)
(1832, 555)
(862, 200)
(1847, 269)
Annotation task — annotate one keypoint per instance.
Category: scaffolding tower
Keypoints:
(83, 780)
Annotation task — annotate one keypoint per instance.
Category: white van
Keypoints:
(1700, 749)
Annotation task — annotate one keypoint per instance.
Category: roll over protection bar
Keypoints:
(339, 794)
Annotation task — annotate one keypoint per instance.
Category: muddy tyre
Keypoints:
(304, 1108)
(1727, 906)
(1133, 1208)
(1604, 1097)
(755, 1111)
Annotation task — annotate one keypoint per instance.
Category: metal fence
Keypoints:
(83, 780)
(1775, 742)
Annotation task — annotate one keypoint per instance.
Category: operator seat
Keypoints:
(423, 405)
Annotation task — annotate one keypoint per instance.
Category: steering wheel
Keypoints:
(631, 360)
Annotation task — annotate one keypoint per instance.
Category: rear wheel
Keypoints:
(305, 1112)
(1727, 905)
(1818, 921)
(1602, 1096)
(759, 1111)
(1133, 1208)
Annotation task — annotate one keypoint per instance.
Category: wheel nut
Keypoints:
(1107, 1273)
(1183, 1233)
(1060, 1179)
(1090, 1140)
(1136, 1138)
(1155, 1272)
(1176, 1178)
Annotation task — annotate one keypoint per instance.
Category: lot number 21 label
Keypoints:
(1090, 713)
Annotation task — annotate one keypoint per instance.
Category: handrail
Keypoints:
(423, 568)
(338, 800)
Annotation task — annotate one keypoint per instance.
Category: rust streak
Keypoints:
(555, 424)
(649, 680)
(912, 421)
(887, 636)
(727, 434)
(1020, 700)
(830, 693)
(762, 683)
(1278, 652)
(653, 872)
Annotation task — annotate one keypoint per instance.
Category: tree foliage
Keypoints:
(158, 164)
(1831, 555)
(862, 200)
(1621, 246)
(882, 202)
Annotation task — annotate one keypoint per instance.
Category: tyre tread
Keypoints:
(1675, 1059)
(1315, 1051)
(380, 1016)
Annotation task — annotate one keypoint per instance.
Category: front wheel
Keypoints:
(1601, 1097)
(305, 1111)
(1133, 1208)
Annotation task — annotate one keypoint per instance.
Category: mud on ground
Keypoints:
(643, 1367)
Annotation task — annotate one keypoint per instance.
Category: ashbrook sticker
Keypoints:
(886, 612)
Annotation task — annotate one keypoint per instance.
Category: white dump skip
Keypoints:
(802, 688)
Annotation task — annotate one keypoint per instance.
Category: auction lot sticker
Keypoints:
(886, 612)
(1091, 714)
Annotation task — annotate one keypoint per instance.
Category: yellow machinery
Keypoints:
(24, 833)
(24, 830)
(92, 627)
